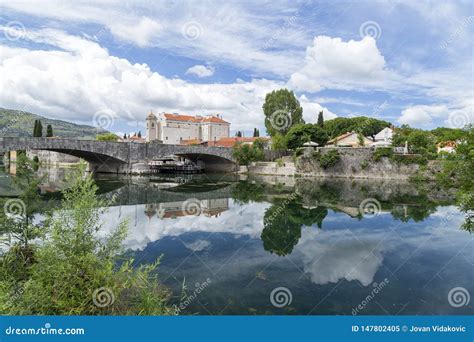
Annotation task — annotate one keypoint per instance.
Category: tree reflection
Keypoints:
(283, 222)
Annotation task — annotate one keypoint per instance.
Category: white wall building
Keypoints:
(176, 128)
(385, 134)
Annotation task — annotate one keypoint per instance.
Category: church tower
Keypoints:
(151, 127)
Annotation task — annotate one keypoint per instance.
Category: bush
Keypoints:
(382, 152)
(245, 153)
(75, 271)
(106, 137)
(410, 159)
(329, 159)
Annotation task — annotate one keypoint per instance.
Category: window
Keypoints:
(166, 138)
(152, 125)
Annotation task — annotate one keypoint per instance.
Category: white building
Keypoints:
(176, 129)
(385, 134)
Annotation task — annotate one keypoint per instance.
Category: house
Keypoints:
(385, 134)
(349, 139)
(446, 146)
(226, 142)
(176, 128)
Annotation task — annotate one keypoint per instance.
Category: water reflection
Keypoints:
(254, 234)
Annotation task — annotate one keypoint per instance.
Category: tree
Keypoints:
(246, 153)
(125, 136)
(106, 137)
(278, 142)
(364, 125)
(37, 129)
(282, 110)
(238, 134)
(40, 129)
(139, 134)
(302, 133)
(321, 119)
(256, 133)
(49, 131)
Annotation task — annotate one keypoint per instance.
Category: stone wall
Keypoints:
(52, 158)
(354, 163)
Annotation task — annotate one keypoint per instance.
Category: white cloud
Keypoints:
(200, 71)
(422, 115)
(77, 78)
(333, 63)
(312, 109)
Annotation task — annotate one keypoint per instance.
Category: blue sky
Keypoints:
(109, 63)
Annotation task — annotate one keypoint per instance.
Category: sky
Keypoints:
(108, 63)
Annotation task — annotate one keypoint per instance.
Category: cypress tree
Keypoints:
(40, 129)
(49, 131)
(321, 119)
(35, 129)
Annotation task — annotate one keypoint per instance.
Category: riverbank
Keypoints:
(362, 163)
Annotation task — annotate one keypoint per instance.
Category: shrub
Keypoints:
(329, 159)
(382, 152)
(409, 159)
(106, 137)
(245, 153)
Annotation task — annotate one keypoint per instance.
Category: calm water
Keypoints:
(236, 240)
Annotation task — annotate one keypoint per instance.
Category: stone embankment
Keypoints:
(352, 163)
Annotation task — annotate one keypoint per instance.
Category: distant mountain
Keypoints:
(17, 123)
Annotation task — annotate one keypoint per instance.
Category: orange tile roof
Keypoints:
(190, 118)
(190, 141)
(231, 141)
(342, 136)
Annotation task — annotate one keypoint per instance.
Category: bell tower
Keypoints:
(151, 127)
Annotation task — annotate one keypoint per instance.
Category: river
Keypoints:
(268, 245)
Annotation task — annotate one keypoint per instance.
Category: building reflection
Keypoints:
(205, 207)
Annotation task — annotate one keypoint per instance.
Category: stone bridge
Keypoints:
(124, 157)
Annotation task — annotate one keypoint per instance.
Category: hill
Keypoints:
(17, 123)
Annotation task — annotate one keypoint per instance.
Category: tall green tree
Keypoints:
(321, 119)
(49, 131)
(39, 129)
(256, 133)
(302, 133)
(282, 110)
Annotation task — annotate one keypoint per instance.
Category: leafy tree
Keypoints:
(256, 132)
(419, 141)
(364, 125)
(106, 137)
(238, 134)
(302, 133)
(246, 153)
(321, 119)
(49, 131)
(38, 129)
(282, 110)
(448, 134)
(278, 142)
(360, 139)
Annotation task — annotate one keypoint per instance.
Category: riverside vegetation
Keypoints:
(57, 265)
